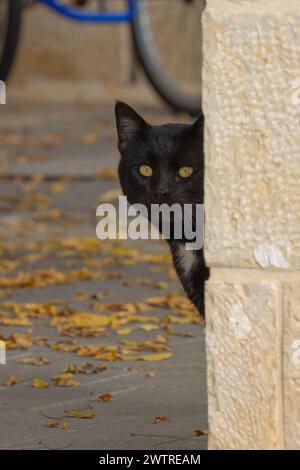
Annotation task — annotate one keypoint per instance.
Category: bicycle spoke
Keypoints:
(175, 32)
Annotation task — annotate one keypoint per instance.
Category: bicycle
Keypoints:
(175, 75)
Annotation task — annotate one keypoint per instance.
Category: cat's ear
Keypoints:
(197, 127)
(129, 123)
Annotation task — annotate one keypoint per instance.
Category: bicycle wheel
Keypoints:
(168, 41)
(10, 21)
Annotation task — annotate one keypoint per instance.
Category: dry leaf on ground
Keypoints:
(81, 414)
(32, 361)
(160, 419)
(105, 397)
(65, 380)
(110, 196)
(39, 383)
(107, 173)
(56, 424)
(200, 432)
(11, 380)
(89, 138)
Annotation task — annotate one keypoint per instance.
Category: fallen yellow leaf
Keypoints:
(18, 340)
(148, 357)
(15, 321)
(86, 368)
(57, 424)
(41, 361)
(90, 320)
(124, 331)
(170, 330)
(81, 414)
(180, 321)
(89, 138)
(11, 380)
(156, 357)
(38, 383)
(111, 195)
(65, 380)
(58, 187)
(149, 327)
(107, 173)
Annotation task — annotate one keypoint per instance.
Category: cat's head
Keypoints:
(159, 164)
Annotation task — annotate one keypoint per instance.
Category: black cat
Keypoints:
(165, 164)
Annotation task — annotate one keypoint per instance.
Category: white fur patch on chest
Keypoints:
(186, 259)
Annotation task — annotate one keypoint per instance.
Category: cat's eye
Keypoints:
(185, 171)
(146, 170)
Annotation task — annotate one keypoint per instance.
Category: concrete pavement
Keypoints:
(52, 157)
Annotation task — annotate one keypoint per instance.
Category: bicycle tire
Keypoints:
(167, 89)
(10, 37)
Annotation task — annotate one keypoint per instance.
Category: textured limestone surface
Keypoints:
(251, 98)
(291, 365)
(244, 400)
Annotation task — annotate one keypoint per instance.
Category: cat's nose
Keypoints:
(163, 196)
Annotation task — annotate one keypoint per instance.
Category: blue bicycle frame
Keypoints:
(103, 17)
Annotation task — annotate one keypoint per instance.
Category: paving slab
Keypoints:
(50, 186)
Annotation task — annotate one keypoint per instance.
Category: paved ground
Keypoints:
(54, 163)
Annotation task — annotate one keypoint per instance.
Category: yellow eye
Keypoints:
(185, 171)
(146, 170)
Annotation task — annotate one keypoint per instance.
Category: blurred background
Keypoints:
(102, 56)
(103, 349)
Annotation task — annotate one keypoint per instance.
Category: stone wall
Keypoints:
(252, 146)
